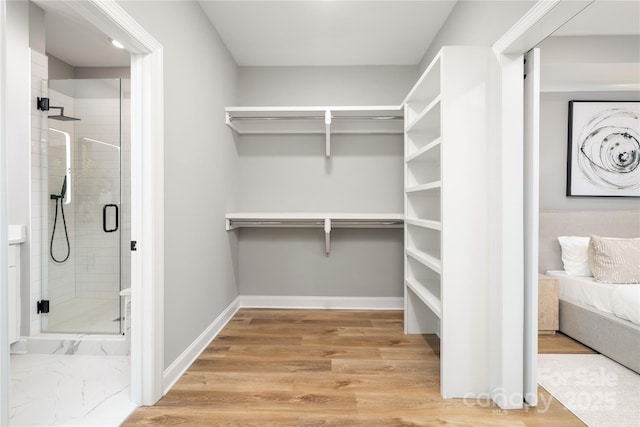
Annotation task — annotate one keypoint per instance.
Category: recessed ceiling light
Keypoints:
(117, 44)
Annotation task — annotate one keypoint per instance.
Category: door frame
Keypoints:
(147, 196)
(147, 192)
(4, 238)
(512, 361)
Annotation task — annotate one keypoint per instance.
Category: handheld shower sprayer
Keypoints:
(60, 198)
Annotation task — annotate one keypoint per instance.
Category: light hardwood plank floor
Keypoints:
(326, 368)
(561, 344)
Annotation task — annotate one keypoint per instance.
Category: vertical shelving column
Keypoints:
(423, 184)
(447, 127)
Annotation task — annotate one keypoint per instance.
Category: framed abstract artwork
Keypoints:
(603, 156)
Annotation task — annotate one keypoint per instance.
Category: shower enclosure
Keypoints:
(87, 227)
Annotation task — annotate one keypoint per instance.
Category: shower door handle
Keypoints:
(104, 218)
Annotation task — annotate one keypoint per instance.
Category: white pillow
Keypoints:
(575, 255)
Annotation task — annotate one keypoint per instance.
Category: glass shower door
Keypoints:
(84, 207)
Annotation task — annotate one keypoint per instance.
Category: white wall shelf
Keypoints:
(426, 89)
(327, 120)
(428, 121)
(424, 187)
(325, 221)
(429, 152)
(446, 211)
(429, 299)
(424, 223)
(424, 258)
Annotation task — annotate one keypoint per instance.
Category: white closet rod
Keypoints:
(327, 224)
(317, 118)
(318, 223)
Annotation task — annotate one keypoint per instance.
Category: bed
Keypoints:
(602, 316)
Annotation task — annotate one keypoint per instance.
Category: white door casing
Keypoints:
(147, 222)
(531, 214)
(514, 380)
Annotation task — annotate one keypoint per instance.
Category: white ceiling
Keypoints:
(71, 39)
(321, 32)
(290, 33)
(605, 18)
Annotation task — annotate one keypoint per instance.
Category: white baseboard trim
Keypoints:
(182, 363)
(19, 347)
(343, 303)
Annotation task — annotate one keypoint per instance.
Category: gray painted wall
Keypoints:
(476, 23)
(59, 70)
(364, 174)
(200, 169)
(102, 72)
(279, 86)
(589, 63)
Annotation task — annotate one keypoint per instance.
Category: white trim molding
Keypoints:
(322, 303)
(4, 240)
(186, 359)
(147, 190)
(508, 275)
(147, 228)
(538, 23)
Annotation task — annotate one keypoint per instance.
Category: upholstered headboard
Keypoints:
(580, 223)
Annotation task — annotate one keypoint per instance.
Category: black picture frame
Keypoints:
(603, 152)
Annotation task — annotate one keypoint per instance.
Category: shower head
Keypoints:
(43, 105)
(62, 117)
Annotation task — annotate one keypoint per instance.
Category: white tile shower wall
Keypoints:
(38, 272)
(98, 184)
(60, 285)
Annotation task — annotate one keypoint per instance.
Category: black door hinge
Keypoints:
(134, 245)
(43, 306)
(43, 104)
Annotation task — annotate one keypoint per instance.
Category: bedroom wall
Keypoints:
(580, 68)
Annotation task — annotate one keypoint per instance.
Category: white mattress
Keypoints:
(622, 301)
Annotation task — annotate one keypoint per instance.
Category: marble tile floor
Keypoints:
(69, 390)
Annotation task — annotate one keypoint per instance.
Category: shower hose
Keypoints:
(53, 232)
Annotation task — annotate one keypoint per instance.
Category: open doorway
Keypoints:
(590, 61)
(146, 212)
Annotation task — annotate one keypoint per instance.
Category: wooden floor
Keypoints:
(561, 344)
(329, 368)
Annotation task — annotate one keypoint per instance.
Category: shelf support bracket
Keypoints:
(327, 235)
(327, 129)
(228, 225)
(229, 122)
